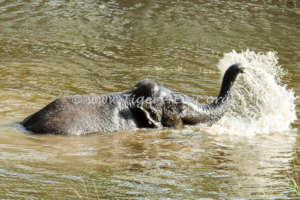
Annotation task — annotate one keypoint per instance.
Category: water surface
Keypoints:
(54, 48)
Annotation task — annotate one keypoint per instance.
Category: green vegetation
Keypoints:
(88, 190)
(294, 185)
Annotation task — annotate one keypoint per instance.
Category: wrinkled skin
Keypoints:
(147, 105)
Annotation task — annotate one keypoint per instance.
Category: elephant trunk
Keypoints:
(210, 113)
(228, 80)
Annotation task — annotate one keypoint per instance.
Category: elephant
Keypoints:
(147, 105)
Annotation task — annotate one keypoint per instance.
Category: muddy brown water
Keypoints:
(54, 48)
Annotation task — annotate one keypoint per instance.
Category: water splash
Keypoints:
(261, 102)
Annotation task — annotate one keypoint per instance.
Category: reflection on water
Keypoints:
(54, 48)
(162, 164)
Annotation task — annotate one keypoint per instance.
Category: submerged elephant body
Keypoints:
(147, 105)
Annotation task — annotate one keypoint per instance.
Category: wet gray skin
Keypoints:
(147, 105)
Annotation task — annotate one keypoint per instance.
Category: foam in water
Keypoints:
(260, 103)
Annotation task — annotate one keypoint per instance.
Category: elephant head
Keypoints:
(166, 108)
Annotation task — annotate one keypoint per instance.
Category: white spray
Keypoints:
(260, 103)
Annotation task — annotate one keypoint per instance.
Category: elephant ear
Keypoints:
(172, 113)
(151, 114)
(164, 113)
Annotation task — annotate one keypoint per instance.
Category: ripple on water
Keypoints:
(54, 48)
